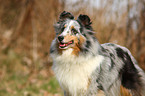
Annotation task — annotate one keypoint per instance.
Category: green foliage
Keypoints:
(54, 85)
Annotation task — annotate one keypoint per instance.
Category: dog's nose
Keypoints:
(60, 38)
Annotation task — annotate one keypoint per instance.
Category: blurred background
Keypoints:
(26, 32)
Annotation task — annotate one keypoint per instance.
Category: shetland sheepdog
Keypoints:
(83, 67)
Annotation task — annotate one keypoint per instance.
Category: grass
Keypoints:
(18, 79)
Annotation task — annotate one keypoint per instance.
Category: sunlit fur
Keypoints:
(85, 67)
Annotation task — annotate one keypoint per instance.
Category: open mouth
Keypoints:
(65, 45)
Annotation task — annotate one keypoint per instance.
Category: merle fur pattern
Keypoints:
(118, 67)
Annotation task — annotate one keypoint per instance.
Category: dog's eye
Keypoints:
(74, 31)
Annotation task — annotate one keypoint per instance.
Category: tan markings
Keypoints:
(124, 91)
(69, 38)
(100, 93)
(89, 82)
(65, 26)
(76, 46)
(82, 40)
(76, 50)
(72, 27)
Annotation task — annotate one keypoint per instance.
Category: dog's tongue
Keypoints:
(62, 45)
(65, 44)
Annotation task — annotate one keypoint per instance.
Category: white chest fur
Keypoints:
(72, 72)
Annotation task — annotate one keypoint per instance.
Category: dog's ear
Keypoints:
(85, 21)
(65, 15)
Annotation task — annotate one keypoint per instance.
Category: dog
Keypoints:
(83, 66)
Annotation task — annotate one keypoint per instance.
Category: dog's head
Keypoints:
(70, 32)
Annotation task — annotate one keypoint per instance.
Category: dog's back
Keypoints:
(131, 77)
